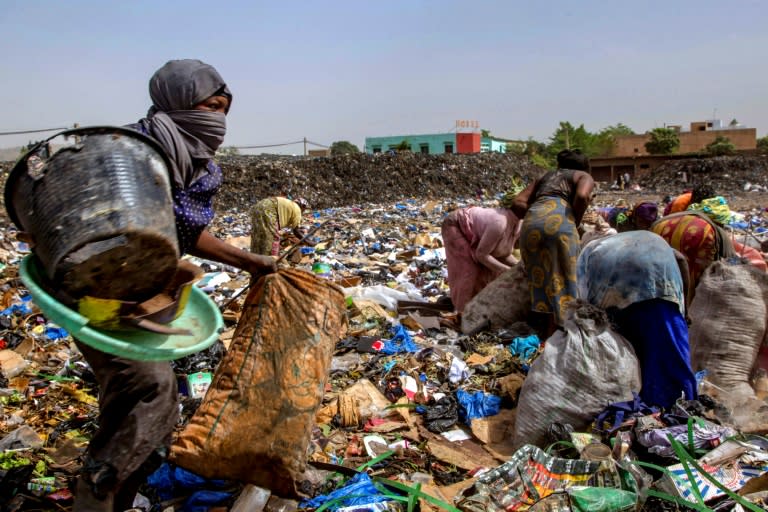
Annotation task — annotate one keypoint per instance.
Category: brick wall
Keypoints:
(690, 142)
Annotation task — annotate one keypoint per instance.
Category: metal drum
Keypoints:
(99, 213)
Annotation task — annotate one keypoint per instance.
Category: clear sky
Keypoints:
(343, 70)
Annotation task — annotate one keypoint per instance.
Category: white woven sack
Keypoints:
(728, 325)
(579, 373)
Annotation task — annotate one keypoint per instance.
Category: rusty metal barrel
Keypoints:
(99, 212)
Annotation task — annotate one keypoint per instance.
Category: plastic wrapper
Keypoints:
(441, 416)
(529, 476)
(400, 342)
(360, 491)
(705, 435)
(477, 405)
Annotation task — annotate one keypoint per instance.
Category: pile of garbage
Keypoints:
(728, 175)
(416, 414)
(357, 178)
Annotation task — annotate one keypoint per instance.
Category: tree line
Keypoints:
(662, 141)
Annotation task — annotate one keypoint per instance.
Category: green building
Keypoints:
(437, 143)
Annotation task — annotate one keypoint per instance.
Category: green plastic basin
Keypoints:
(200, 316)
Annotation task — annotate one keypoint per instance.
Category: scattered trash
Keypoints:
(416, 412)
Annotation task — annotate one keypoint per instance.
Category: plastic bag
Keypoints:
(728, 327)
(706, 435)
(169, 482)
(588, 499)
(441, 416)
(400, 342)
(360, 490)
(505, 301)
(525, 348)
(477, 405)
(529, 476)
(202, 501)
(578, 373)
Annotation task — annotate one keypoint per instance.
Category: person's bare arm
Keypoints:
(211, 248)
(489, 240)
(688, 290)
(520, 203)
(510, 260)
(583, 196)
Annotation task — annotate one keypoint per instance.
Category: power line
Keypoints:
(303, 141)
(22, 132)
(270, 145)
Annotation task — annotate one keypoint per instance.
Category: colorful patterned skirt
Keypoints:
(265, 229)
(549, 246)
(693, 236)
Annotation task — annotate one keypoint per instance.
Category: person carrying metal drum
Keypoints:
(138, 400)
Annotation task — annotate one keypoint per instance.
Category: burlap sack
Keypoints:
(728, 325)
(503, 302)
(255, 421)
(578, 374)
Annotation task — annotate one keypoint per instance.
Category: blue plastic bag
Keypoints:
(22, 307)
(171, 481)
(55, 333)
(525, 348)
(202, 501)
(360, 490)
(401, 342)
(477, 405)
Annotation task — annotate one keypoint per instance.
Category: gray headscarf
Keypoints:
(190, 137)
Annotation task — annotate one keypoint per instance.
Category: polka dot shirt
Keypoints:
(193, 206)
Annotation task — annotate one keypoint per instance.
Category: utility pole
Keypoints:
(305, 146)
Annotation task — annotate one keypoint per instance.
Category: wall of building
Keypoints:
(742, 138)
(492, 145)
(430, 143)
(630, 145)
(690, 142)
(467, 143)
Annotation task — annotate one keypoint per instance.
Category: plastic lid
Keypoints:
(200, 316)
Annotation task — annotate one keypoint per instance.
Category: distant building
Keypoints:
(318, 152)
(498, 145)
(608, 168)
(438, 143)
(630, 157)
(695, 140)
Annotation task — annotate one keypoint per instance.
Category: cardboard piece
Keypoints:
(368, 398)
(425, 322)
(451, 491)
(477, 359)
(511, 384)
(434, 491)
(495, 429)
(11, 363)
(467, 455)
